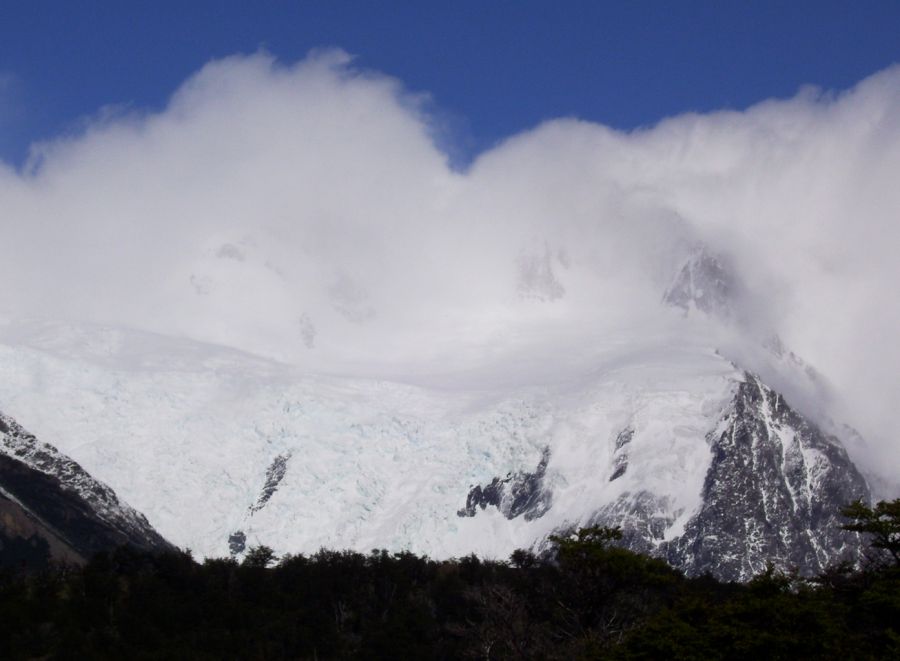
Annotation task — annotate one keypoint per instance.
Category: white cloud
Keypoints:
(304, 212)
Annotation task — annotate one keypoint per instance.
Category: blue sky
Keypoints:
(493, 68)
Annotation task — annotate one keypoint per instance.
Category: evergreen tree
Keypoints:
(881, 522)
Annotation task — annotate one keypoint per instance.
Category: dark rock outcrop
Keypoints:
(773, 493)
(620, 459)
(518, 494)
(237, 542)
(274, 474)
(52, 506)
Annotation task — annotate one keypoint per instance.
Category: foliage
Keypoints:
(881, 522)
(589, 599)
(259, 557)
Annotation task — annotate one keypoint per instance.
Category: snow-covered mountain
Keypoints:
(689, 447)
(704, 284)
(772, 490)
(772, 493)
(52, 509)
(698, 460)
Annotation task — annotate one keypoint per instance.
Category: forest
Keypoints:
(586, 599)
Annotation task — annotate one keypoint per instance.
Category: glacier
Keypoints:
(216, 446)
(187, 439)
(700, 434)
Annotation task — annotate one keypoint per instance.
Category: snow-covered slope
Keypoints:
(695, 430)
(222, 450)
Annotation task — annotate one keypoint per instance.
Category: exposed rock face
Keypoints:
(518, 494)
(51, 508)
(704, 284)
(644, 518)
(274, 474)
(237, 542)
(620, 460)
(277, 469)
(773, 493)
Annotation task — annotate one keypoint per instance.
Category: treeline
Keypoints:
(593, 600)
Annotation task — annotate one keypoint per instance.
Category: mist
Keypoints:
(304, 212)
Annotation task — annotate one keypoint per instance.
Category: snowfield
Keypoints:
(208, 441)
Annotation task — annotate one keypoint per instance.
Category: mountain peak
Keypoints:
(705, 283)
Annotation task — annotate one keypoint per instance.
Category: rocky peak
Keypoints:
(773, 493)
(704, 284)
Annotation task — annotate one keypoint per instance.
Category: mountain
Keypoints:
(704, 283)
(690, 448)
(224, 450)
(772, 493)
(51, 509)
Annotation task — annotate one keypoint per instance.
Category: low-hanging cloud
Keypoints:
(304, 212)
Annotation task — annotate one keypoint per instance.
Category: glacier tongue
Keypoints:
(222, 450)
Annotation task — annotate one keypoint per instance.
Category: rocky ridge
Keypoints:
(53, 509)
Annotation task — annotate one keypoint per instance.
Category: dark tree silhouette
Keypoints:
(881, 523)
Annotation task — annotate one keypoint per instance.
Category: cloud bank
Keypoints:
(304, 212)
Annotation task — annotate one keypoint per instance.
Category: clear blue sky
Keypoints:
(493, 68)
